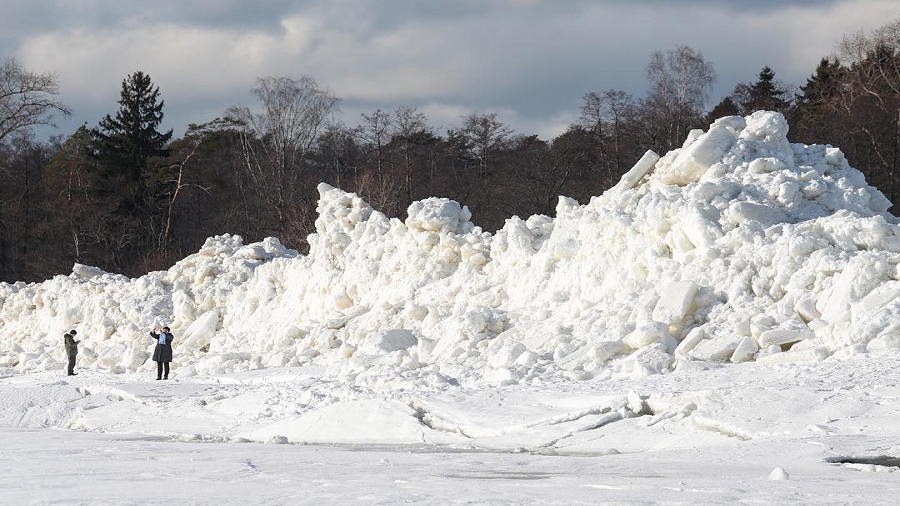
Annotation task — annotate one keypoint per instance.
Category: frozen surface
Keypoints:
(744, 433)
(720, 326)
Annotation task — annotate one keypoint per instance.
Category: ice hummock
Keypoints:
(739, 246)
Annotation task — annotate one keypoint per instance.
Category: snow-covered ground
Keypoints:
(720, 327)
(737, 434)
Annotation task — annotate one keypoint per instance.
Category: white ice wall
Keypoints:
(738, 246)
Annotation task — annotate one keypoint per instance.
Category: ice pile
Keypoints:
(738, 246)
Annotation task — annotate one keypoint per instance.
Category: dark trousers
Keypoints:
(159, 370)
(71, 365)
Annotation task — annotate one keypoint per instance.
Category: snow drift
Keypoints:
(739, 246)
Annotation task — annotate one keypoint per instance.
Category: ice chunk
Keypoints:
(700, 229)
(438, 215)
(745, 350)
(875, 299)
(815, 354)
(389, 341)
(643, 166)
(783, 336)
(779, 474)
(693, 161)
(718, 348)
(675, 302)
(652, 333)
(86, 271)
(743, 212)
(693, 338)
(199, 333)
(806, 308)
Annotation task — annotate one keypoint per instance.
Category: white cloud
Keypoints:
(822, 29)
(532, 59)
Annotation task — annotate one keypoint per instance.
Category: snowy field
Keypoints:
(722, 326)
(741, 434)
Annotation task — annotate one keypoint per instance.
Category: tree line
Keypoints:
(128, 198)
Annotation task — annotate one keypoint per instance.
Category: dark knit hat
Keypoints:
(72, 332)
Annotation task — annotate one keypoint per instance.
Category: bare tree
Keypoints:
(603, 115)
(71, 178)
(592, 112)
(26, 99)
(409, 126)
(620, 106)
(375, 132)
(293, 113)
(178, 182)
(485, 134)
(870, 99)
(880, 48)
(681, 77)
(20, 167)
(338, 153)
(276, 141)
(680, 81)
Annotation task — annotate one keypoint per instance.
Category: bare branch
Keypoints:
(26, 99)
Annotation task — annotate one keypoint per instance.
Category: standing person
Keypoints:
(71, 350)
(162, 355)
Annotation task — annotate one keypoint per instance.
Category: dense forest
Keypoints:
(129, 199)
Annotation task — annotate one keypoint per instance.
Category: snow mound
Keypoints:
(738, 246)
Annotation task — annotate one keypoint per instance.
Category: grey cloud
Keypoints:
(532, 59)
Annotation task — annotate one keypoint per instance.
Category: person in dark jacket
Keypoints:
(71, 350)
(162, 355)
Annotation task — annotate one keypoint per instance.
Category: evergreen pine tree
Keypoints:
(819, 117)
(824, 85)
(766, 93)
(726, 107)
(124, 146)
(127, 141)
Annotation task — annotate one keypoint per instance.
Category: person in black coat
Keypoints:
(71, 350)
(162, 355)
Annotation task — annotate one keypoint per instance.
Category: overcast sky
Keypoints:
(529, 61)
